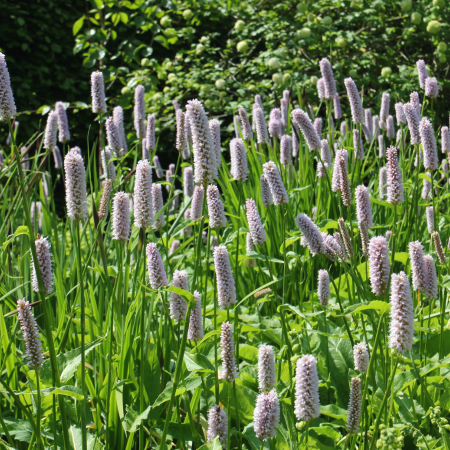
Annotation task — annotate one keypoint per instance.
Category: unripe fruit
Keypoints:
(301, 7)
(353, 73)
(204, 39)
(165, 21)
(242, 47)
(434, 27)
(157, 97)
(169, 65)
(442, 47)
(284, 52)
(406, 5)
(274, 63)
(314, 80)
(199, 49)
(386, 72)
(145, 62)
(277, 78)
(166, 89)
(440, 3)
(341, 42)
(310, 17)
(286, 78)
(327, 20)
(305, 33)
(251, 87)
(209, 103)
(239, 25)
(126, 90)
(188, 14)
(297, 61)
(204, 88)
(416, 18)
(221, 84)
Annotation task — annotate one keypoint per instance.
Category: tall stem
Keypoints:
(83, 333)
(142, 339)
(47, 315)
(38, 413)
(236, 308)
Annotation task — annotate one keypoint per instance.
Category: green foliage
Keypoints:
(180, 50)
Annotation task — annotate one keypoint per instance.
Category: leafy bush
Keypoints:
(221, 52)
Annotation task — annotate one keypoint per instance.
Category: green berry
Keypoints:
(341, 42)
(440, 3)
(221, 84)
(442, 47)
(416, 18)
(302, 8)
(386, 72)
(145, 62)
(434, 27)
(251, 87)
(314, 80)
(165, 21)
(310, 17)
(126, 90)
(242, 46)
(239, 25)
(305, 33)
(297, 61)
(274, 63)
(284, 52)
(353, 73)
(286, 78)
(166, 89)
(327, 20)
(188, 14)
(277, 78)
(406, 5)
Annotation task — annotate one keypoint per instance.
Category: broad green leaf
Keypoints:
(18, 429)
(134, 419)
(67, 363)
(198, 363)
(340, 352)
(93, 442)
(191, 384)
(23, 229)
(248, 353)
(78, 25)
(402, 257)
(333, 411)
(70, 391)
(185, 294)
(213, 445)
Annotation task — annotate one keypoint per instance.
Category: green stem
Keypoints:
(47, 314)
(83, 336)
(38, 413)
(386, 396)
(176, 380)
(142, 339)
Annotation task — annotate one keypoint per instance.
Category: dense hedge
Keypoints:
(222, 52)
